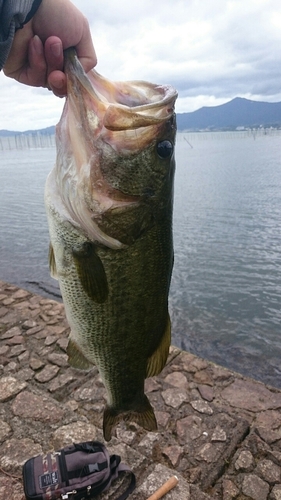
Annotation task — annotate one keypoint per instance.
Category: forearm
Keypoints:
(13, 15)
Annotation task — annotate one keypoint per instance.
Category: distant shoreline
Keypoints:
(28, 141)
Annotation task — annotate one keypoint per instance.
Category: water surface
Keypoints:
(226, 287)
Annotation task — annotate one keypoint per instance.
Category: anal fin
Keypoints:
(157, 361)
(76, 358)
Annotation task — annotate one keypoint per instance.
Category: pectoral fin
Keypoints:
(91, 272)
(157, 361)
(76, 358)
(52, 262)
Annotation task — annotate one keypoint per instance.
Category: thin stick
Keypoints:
(171, 483)
(15, 478)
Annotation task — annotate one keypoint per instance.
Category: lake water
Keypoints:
(226, 288)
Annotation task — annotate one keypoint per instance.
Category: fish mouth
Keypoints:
(118, 106)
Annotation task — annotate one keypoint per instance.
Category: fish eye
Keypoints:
(164, 149)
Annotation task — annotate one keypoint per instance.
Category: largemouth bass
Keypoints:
(109, 203)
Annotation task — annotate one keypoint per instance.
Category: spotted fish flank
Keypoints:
(109, 204)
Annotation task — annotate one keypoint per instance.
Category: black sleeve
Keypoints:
(13, 15)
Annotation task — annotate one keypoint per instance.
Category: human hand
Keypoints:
(36, 56)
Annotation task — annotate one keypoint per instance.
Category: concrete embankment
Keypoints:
(219, 432)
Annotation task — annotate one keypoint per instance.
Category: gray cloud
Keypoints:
(211, 51)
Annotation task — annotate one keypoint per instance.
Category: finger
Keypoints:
(54, 54)
(35, 71)
(85, 49)
(57, 83)
(26, 62)
(54, 57)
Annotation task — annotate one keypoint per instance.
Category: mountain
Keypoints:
(239, 112)
(42, 131)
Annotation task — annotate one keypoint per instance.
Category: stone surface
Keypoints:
(197, 494)
(125, 436)
(12, 332)
(255, 488)
(11, 488)
(201, 407)
(32, 406)
(17, 339)
(150, 385)
(9, 387)
(218, 435)
(61, 381)
(175, 397)
(129, 455)
(230, 490)
(146, 445)
(20, 294)
(268, 471)
(48, 372)
(28, 324)
(14, 453)
(276, 492)
(208, 452)
(5, 430)
(58, 359)
(206, 392)
(174, 454)
(163, 418)
(36, 364)
(251, 395)
(50, 339)
(73, 433)
(156, 479)
(189, 428)
(268, 425)
(4, 350)
(16, 350)
(245, 461)
(176, 379)
(218, 431)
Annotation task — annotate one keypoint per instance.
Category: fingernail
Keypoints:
(60, 84)
(56, 49)
(37, 44)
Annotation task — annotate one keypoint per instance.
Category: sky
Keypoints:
(210, 50)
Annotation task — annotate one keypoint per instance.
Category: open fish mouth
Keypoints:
(118, 106)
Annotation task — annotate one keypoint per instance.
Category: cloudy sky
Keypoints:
(210, 50)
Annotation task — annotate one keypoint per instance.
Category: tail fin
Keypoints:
(143, 416)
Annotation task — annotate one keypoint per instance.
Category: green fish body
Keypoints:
(109, 205)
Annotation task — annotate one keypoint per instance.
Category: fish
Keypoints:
(109, 204)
